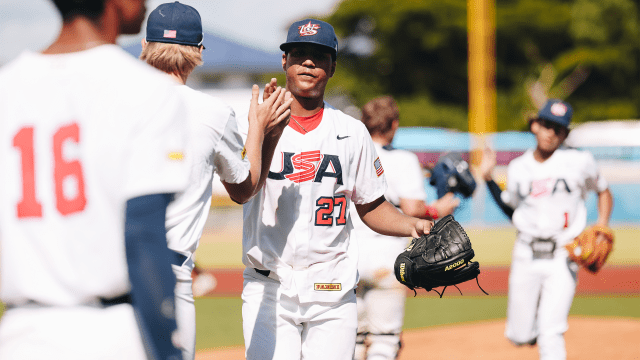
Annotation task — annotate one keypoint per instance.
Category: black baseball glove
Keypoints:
(440, 258)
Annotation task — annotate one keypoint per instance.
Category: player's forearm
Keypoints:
(268, 149)
(605, 207)
(243, 192)
(383, 218)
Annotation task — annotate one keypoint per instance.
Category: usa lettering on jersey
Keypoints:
(311, 166)
(545, 187)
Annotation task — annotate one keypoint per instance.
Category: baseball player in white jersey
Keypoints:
(301, 261)
(380, 297)
(86, 178)
(174, 45)
(545, 199)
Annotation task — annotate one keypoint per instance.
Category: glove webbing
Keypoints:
(445, 288)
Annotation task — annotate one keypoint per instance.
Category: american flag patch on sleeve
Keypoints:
(378, 165)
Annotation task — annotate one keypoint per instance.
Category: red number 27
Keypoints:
(29, 206)
(324, 214)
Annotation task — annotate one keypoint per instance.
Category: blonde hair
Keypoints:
(379, 113)
(172, 58)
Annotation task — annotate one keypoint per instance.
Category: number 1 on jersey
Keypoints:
(29, 206)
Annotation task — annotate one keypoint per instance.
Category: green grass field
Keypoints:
(219, 320)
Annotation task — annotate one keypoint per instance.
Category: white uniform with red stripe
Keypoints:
(75, 145)
(298, 227)
(380, 296)
(214, 146)
(549, 202)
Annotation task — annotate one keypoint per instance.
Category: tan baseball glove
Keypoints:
(590, 249)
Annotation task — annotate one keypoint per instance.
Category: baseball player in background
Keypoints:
(87, 174)
(545, 199)
(174, 45)
(380, 297)
(301, 263)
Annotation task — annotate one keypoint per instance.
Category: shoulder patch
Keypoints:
(378, 165)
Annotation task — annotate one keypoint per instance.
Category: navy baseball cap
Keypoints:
(311, 31)
(556, 111)
(175, 23)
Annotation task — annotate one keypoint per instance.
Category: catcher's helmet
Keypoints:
(451, 174)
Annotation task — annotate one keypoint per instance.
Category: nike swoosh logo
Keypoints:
(344, 137)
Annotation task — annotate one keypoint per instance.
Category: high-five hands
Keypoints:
(275, 110)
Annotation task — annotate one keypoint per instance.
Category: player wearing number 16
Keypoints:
(300, 257)
(86, 174)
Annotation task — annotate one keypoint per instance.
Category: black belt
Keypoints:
(263, 272)
(118, 300)
(178, 259)
(105, 302)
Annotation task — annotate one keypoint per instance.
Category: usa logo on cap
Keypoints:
(171, 34)
(558, 109)
(309, 29)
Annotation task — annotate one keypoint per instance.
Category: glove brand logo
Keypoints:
(313, 166)
(402, 271)
(327, 287)
(454, 265)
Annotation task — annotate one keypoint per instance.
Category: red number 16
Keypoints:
(29, 206)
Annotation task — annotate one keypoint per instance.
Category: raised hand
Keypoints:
(269, 88)
(274, 112)
(488, 163)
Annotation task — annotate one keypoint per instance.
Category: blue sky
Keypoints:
(33, 24)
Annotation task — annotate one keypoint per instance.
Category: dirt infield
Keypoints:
(587, 338)
(610, 280)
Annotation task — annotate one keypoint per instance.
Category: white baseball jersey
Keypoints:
(298, 226)
(549, 197)
(214, 145)
(405, 181)
(80, 134)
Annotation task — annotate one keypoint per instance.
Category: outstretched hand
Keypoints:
(488, 163)
(269, 88)
(274, 112)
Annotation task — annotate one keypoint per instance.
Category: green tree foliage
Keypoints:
(584, 51)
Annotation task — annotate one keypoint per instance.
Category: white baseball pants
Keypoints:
(279, 327)
(540, 296)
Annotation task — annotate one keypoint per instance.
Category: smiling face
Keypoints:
(308, 68)
(549, 134)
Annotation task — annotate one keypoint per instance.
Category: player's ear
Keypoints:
(284, 62)
(534, 126)
(143, 42)
(333, 69)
